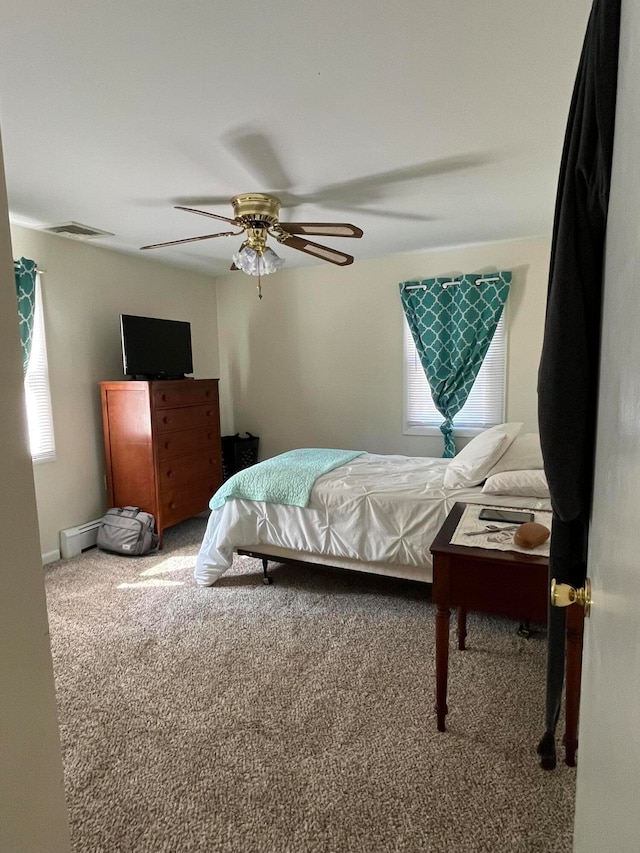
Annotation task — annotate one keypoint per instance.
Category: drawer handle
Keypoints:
(165, 419)
(172, 505)
(166, 445)
(169, 473)
(164, 398)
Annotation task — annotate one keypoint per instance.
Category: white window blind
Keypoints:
(36, 387)
(485, 404)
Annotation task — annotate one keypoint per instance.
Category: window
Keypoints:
(36, 387)
(485, 404)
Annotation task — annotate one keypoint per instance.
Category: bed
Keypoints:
(374, 513)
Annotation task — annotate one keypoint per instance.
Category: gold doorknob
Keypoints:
(562, 595)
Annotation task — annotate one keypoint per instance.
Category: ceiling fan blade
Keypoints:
(388, 214)
(371, 187)
(192, 239)
(323, 229)
(318, 251)
(259, 156)
(206, 213)
(201, 200)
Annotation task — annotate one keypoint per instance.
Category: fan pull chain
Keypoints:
(259, 285)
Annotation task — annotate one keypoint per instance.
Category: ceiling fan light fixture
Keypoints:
(257, 263)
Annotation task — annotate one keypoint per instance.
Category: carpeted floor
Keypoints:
(292, 718)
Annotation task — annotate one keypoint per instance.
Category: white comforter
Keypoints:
(375, 510)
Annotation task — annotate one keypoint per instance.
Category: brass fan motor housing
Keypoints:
(256, 209)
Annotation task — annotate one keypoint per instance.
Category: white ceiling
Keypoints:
(425, 122)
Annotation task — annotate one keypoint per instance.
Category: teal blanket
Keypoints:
(284, 479)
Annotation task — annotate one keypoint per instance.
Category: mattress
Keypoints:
(376, 513)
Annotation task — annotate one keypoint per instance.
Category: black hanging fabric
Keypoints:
(568, 373)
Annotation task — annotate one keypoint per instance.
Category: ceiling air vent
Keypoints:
(76, 230)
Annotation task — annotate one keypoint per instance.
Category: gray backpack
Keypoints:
(127, 530)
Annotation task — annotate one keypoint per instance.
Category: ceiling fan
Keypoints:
(257, 216)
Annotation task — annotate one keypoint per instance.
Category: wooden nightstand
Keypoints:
(505, 583)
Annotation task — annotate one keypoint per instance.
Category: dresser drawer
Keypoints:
(183, 470)
(188, 393)
(189, 441)
(189, 417)
(185, 502)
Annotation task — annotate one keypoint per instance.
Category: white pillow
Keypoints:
(526, 484)
(523, 454)
(471, 466)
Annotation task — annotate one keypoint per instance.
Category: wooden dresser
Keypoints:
(162, 446)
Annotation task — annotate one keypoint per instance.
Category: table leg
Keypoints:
(442, 663)
(575, 630)
(462, 628)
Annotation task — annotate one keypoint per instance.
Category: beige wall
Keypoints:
(85, 289)
(318, 362)
(33, 814)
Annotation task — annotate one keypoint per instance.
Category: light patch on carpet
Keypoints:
(171, 564)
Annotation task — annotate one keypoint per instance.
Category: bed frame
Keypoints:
(265, 562)
(298, 560)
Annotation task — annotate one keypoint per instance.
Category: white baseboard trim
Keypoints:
(50, 557)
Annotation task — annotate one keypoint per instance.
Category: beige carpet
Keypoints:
(293, 718)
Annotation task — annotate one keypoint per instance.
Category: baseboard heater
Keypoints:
(75, 540)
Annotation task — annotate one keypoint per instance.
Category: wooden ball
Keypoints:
(531, 534)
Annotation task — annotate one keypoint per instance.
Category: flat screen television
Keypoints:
(154, 348)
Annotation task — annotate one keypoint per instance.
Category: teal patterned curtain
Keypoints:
(25, 273)
(452, 322)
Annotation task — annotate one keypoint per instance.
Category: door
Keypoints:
(608, 776)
